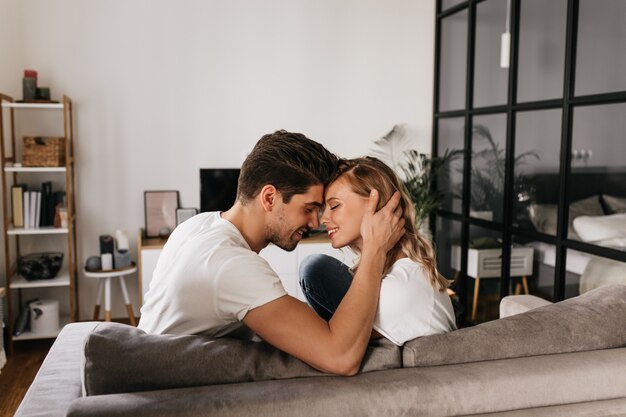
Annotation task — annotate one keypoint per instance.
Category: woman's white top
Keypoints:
(409, 306)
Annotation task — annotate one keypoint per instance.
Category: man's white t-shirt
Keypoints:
(206, 279)
(409, 306)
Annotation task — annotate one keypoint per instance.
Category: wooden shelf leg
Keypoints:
(129, 306)
(525, 283)
(476, 288)
(107, 299)
(96, 309)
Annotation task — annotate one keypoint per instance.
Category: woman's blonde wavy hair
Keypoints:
(367, 173)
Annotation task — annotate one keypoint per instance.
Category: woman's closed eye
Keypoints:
(332, 207)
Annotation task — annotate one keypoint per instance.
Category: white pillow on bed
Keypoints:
(601, 228)
(544, 216)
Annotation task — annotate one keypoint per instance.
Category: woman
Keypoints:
(413, 299)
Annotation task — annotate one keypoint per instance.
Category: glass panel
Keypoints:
(453, 62)
(490, 81)
(537, 154)
(447, 235)
(488, 161)
(541, 49)
(575, 266)
(450, 182)
(586, 272)
(541, 281)
(600, 57)
(597, 192)
(446, 4)
(484, 264)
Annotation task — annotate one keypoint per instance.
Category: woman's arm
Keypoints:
(336, 346)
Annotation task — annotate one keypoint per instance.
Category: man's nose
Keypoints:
(314, 222)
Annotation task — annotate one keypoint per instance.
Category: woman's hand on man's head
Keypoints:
(382, 229)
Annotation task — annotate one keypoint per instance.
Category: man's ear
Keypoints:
(269, 197)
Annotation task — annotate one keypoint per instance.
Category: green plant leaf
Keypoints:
(418, 171)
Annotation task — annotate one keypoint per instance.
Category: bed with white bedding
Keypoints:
(608, 231)
(597, 216)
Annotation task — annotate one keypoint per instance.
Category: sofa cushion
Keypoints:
(122, 358)
(594, 320)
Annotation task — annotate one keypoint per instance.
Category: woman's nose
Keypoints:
(325, 216)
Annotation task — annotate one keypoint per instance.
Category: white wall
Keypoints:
(162, 88)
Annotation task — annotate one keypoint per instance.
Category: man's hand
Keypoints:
(382, 229)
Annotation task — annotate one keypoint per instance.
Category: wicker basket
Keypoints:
(44, 151)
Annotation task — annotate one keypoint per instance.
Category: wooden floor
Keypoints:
(19, 372)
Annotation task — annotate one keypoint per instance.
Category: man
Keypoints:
(210, 279)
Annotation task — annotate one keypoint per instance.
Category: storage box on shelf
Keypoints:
(487, 263)
(50, 157)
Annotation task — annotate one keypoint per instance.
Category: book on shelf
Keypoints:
(26, 209)
(37, 221)
(47, 207)
(33, 209)
(17, 196)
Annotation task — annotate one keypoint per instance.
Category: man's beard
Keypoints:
(287, 244)
(276, 232)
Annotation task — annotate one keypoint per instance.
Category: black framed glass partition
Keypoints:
(600, 57)
(541, 50)
(453, 82)
(534, 94)
(450, 183)
(490, 80)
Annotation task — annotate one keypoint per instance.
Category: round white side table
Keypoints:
(105, 281)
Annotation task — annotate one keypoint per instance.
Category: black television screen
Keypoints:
(218, 188)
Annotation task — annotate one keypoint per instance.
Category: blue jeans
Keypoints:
(324, 281)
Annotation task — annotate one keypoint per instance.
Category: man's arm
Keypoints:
(337, 346)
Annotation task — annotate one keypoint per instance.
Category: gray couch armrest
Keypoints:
(58, 381)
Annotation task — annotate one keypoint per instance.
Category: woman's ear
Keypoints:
(268, 197)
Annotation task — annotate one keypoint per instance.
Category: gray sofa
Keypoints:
(563, 359)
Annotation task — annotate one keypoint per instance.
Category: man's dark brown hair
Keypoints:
(291, 162)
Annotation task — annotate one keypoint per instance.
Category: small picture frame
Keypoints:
(183, 214)
(160, 212)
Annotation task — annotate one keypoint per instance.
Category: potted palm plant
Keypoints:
(418, 171)
(487, 174)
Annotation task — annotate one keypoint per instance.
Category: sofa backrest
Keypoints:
(121, 358)
(594, 320)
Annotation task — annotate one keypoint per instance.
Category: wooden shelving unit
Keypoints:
(12, 172)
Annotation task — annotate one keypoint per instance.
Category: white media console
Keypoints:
(286, 264)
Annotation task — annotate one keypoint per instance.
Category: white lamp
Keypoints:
(505, 40)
